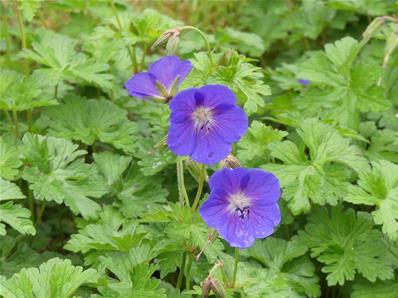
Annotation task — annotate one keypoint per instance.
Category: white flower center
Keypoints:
(239, 204)
(203, 118)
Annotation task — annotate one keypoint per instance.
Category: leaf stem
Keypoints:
(56, 91)
(16, 123)
(132, 55)
(182, 268)
(203, 37)
(40, 213)
(9, 119)
(21, 25)
(183, 196)
(188, 275)
(143, 56)
(200, 187)
(31, 204)
(235, 267)
(29, 119)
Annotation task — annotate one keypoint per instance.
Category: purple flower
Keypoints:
(161, 80)
(303, 82)
(204, 123)
(242, 205)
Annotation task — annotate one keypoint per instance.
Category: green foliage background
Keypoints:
(88, 195)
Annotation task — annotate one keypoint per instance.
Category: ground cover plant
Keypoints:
(199, 148)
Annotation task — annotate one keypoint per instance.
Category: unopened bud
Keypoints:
(195, 169)
(391, 45)
(165, 37)
(226, 58)
(161, 143)
(210, 239)
(374, 28)
(212, 284)
(230, 162)
(172, 44)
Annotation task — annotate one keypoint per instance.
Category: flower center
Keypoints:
(239, 204)
(203, 118)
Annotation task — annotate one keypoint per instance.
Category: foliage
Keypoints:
(90, 202)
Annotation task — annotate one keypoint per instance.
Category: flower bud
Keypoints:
(166, 36)
(195, 170)
(212, 284)
(373, 28)
(226, 58)
(230, 162)
(391, 45)
(172, 44)
(206, 287)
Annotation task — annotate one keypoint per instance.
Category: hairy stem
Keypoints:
(31, 204)
(182, 268)
(209, 52)
(235, 267)
(188, 276)
(200, 187)
(56, 91)
(183, 196)
(40, 213)
(16, 123)
(132, 55)
(20, 25)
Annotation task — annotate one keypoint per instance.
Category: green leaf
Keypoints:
(56, 171)
(9, 191)
(29, 8)
(288, 266)
(186, 227)
(92, 120)
(55, 278)
(346, 243)
(388, 289)
(245, 79)
(17, 217)
(252, 148)
(14, 214)
(111, 233)
(244, 42)
(379, 188)
(10, 159)
(322, 176)
(61, 62)
(383, 144)
(16, 256)
(132, 274)
(339, 88)
(20, 93)
(111, 166)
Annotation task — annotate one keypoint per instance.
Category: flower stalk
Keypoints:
(203, 37)
(188, 275)
(200, 187)
(235, 267)
(20, 25)
(132, 54)
(16, 123)
(182, 268)
(183, 196)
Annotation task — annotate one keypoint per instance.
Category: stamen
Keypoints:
(239, 204)
(203, 119)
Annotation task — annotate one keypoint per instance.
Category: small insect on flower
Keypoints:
(242, 205)
(162, 79)
(204, 123)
